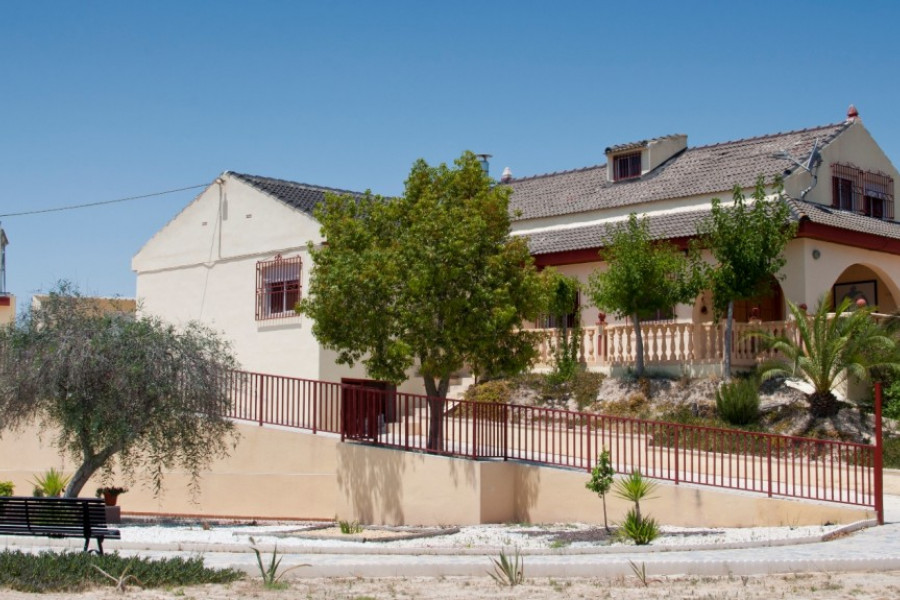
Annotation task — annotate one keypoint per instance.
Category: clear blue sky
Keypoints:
(103, 100)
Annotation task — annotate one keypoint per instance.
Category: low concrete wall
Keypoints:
(272, 473)
(382, 486)
(280, 474)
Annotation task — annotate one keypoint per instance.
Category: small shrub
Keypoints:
(350, 527)
(891, 400)
(640, 530)
(891, 453)
(76, 571)
(498, 391)
(6, 488)
(633, 405)
(585, 387)
(737, 402)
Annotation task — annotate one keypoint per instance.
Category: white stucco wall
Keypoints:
(202, 266)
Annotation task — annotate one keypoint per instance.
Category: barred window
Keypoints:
(627, 166)
(277, 287)
(864, 192)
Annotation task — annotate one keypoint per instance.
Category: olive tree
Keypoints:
(117, 390)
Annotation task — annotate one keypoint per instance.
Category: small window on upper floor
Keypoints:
(277, 287)
(627, 166)
(864, 192)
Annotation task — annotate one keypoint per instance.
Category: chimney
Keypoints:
(852, 114)
(506, 177)
(485, 165)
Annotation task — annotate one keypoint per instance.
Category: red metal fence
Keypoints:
(788, 466)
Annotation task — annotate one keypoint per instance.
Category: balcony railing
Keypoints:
(665, 343)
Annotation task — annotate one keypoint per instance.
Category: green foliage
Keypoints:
(891, 452)
(6, 488)
(431, 279)
(640, 530)
(601, 480)
(643, 276)
(826, 349)
(891, 400)
(737, 401)
(634, 488)
(350, 527)
(585, 387)
(51, 483)
(566, 363)
(747, 241)
(118, 390)
(269, 573)
(508, 572)
(77, 571)
(496, 391)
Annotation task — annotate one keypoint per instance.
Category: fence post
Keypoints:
(505, 432)
(474, 430)
(590, 456)
(879, 459)
(315, 404)
(259, 398)
(769, 463)
(677, 462)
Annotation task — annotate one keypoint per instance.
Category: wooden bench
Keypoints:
(56, 518)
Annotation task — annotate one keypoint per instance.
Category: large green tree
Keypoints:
(643, 276)
(431, 280)
(747, 241)
(116, 390)
(826, 348)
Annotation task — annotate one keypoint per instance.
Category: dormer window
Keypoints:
(627, 166)
(864, 192)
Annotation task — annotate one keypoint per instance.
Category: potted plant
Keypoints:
(110, 495)
(52, 483)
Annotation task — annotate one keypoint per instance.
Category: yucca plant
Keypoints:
(270, 575)
(508, 571)
(640, 530)
(635, 488)
(52, 482)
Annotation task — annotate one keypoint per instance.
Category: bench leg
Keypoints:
(87, 543)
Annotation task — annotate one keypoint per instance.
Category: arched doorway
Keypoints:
(864, 282)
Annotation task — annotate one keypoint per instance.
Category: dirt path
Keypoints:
(818, 586)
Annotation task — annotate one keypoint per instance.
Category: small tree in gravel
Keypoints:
(601, 480)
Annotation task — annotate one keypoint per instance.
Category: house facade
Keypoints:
(839, 185)
(236, 257)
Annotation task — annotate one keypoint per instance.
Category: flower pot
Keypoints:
(110, 499)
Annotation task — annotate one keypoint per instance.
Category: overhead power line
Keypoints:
(101, 203)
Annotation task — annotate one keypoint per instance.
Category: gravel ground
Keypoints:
(309, 536)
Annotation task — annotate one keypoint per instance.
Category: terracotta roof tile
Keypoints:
(301, 196)
(704, 170)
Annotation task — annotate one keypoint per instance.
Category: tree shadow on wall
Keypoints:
(371, 479)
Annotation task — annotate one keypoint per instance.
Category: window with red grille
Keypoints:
(864, 192)
(277, 287)
(627, 166)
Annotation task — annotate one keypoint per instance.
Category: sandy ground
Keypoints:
(820, 586)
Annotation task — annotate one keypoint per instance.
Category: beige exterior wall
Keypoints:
(8, 310)
(854, 146)
(280, 474)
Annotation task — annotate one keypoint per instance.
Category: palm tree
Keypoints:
(826, 349)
